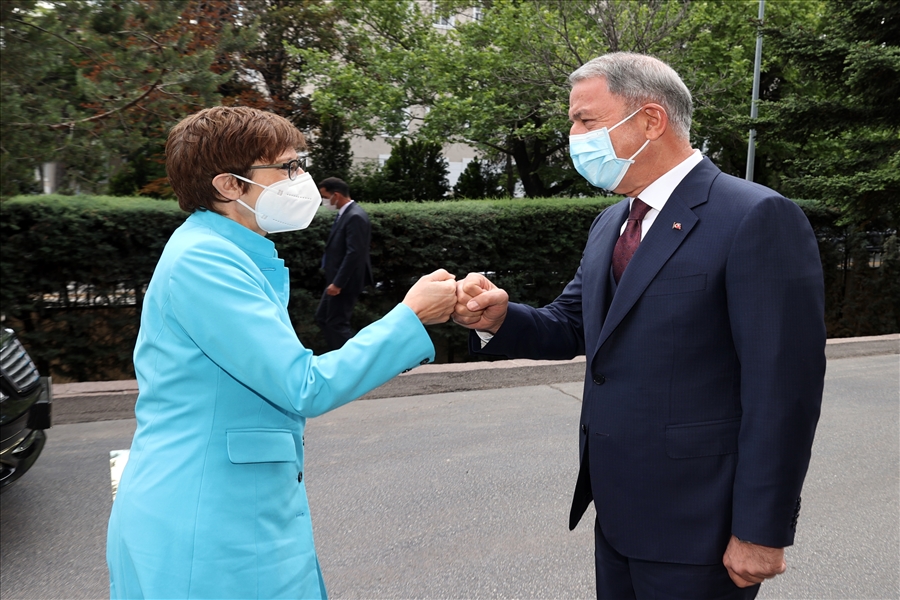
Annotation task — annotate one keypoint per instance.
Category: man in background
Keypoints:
(346, 262)
(699, 305)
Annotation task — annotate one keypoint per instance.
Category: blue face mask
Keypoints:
(596, 160)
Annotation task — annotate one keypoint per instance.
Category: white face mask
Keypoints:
(288, 205)
(329, 203)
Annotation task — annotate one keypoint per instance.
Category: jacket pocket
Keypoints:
(260, 446)
(678, 285)
(712, 438)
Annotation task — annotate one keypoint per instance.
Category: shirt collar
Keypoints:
(656, 194)
(248, 240)
(344, 207)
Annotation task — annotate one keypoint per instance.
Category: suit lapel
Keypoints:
(597, 285)
(659, 244)
(337, 223)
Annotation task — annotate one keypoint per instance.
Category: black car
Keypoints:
(24, 409)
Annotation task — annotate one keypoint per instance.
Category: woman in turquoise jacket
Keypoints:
(212, 502)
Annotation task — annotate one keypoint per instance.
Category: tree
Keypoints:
(304, 24)
(417, 171)
(839, 113)
(329, 151)
(478, 180)
(715, 59)
(97, 84)
(498, 84)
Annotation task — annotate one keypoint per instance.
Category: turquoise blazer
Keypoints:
(212, 502)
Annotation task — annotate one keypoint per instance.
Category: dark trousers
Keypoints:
(623, 578)
(333, 318)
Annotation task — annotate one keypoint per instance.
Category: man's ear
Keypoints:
(656, 119)
(228, 186)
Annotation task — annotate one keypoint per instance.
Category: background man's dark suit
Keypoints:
(704, 370)
(347, 265)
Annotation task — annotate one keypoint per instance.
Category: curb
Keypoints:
(113, 400)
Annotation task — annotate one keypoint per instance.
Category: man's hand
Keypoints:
(332, 290)
(480, 304)
(433, 297)
(749, 564)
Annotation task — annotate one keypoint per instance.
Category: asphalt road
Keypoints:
(465, 495)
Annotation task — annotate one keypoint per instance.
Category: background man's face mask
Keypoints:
(595, 159)
(288, 205)
(328, 202)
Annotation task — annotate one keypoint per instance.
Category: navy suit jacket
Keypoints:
(347, 262)
(705, 368)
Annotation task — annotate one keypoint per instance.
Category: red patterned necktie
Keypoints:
(630, 238)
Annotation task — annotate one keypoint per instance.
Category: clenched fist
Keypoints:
(433, 297)
(480, 304)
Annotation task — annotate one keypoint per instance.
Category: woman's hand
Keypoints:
(433, 297)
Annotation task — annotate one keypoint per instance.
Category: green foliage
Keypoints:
(368, 183)
(309, 24)
(329, 152)
(500, 84)
(95, 85)
(478, 180)
(416, 171)
(715, 60)
(839, 114)
(73, 269)
(73, 273)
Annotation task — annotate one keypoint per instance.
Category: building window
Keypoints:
(477, 12)
(441, 21)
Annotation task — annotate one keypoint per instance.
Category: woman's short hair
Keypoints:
(638, 79)
(223, 139)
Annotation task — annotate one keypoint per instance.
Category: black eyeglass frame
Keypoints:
(293, 167)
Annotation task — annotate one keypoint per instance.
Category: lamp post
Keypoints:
(754, 102)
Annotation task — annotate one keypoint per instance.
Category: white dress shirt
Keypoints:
(657, 193)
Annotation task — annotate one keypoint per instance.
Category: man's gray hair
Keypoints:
(639, 79)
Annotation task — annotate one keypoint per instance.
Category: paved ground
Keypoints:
(465, 495)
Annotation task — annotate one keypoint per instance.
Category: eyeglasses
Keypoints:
(292, 167)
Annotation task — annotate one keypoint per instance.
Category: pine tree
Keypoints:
(417, 171)
(478, 180)
(329, 151)
(841, 113)
(96, 85)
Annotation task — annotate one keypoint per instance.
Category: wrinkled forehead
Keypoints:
(591, 99)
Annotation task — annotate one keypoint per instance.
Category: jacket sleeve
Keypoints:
(775, 295)
(219, 298)
(554, 332)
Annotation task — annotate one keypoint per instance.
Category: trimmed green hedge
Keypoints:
(73, 268)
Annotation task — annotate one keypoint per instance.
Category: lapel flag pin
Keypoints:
(676, 226)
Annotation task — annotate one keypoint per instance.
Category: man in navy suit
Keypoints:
(347, 266)
(699, 306)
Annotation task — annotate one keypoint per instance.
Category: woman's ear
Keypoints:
(228, 186)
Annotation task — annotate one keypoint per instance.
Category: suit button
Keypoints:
(300, 477)
(599, 378)
(425, 361)
(583, 428)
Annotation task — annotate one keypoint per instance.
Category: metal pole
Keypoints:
(754, 102)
